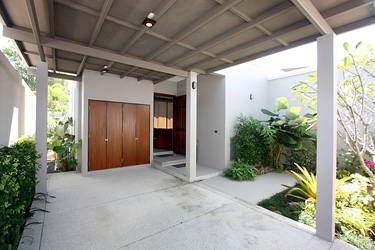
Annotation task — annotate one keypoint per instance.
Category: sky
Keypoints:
(302, 56)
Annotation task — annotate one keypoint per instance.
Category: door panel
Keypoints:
(114, 132)
(179, 125)
(129, 130)
(143, 142)
(97, 135)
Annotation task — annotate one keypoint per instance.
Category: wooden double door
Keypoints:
(119, 134)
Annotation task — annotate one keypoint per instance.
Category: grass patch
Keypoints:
(278, 204)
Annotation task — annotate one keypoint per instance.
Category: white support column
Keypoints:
(327, 137)
(41, 124)
(191, 127)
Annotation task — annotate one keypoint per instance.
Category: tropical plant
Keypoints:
(308, 188)
(18, 164)
(279, 167)
(252, 148)
(64, 145)
(288, 130)
(241, 171)
(355, 100)
(306, 156)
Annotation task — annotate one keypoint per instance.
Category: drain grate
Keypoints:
(161, 156)
(179, 165)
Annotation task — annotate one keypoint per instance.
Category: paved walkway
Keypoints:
(145, 208)
(253, 191)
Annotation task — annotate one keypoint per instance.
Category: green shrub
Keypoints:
(306, 156)
(17, 185)
(241, 171)
(279, 167)
(252, 148)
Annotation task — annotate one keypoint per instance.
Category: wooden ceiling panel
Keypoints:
(145, 46)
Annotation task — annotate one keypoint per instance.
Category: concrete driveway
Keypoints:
(144, 208)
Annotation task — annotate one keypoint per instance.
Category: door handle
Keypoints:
(106, 131)
(136, 131)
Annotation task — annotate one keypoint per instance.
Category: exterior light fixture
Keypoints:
(105, 69)
(194, 84)
(149, 22)
(251, 96)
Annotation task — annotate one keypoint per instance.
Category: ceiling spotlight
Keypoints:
(105, 69)
(149, 22)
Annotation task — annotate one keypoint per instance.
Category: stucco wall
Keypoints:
(17, 105)
(112, 88)
(211, 121)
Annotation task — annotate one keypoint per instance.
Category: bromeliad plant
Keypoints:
(63, 144)
(308, 188)
(287, 130)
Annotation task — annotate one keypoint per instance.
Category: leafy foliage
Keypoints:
(252, 148)
(17, 185)
(13, 57)
(355, 100)
(288, 130)
(241, 171)
(306, 156)
(64, 145)
(308, 188)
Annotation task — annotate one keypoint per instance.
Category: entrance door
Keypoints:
(179, 125)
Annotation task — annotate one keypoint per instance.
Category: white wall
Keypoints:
(111, 87)
(166, 87)
(282, 87)
(211, 118)
(181, 88)
(17, 105)
(241, 81)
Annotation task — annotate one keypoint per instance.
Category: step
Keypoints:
(169, 160)
(163, 153)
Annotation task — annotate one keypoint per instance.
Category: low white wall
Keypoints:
(111, 87)
(211, 121)
(17, 105)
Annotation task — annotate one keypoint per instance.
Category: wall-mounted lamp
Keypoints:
(149, 21)
(194, 84)
(251, 96)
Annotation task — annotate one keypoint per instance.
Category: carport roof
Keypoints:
(190, 35)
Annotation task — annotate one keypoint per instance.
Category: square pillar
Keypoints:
(327, 137)
(191, 127)
(41, 124)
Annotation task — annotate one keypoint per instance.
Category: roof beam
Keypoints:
(208, 17)
(130, 26)
(345, 7)
(251, 44)
(30, 6)
(248, 19)
(313, 15)
(159, 12)
(52, 29)
(27, 36)
(99, 23)
(57, 75)
(162, 79)
(277, 10)
(128, 72)
(146, 76)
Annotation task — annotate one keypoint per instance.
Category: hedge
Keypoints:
(17, 189)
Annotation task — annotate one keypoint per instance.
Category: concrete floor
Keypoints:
(145, 208)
